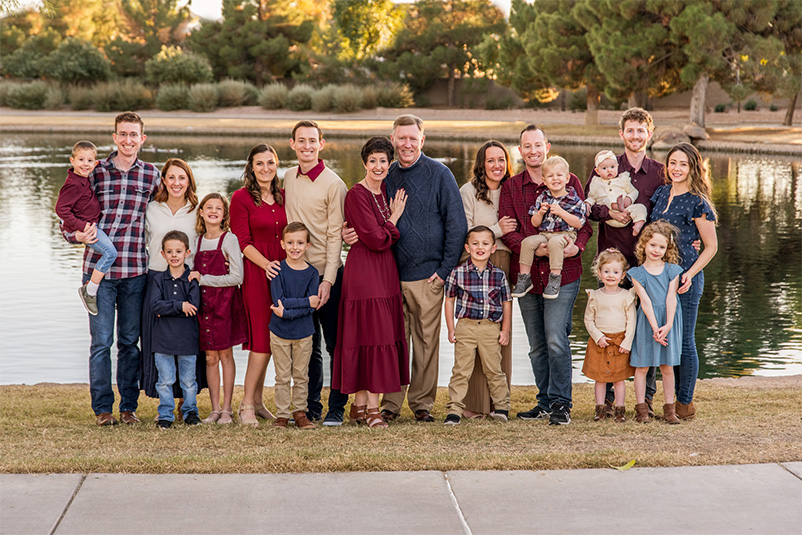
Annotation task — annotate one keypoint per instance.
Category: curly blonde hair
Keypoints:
(665, 229)
(608, 256)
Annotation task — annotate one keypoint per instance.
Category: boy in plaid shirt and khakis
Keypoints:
(484, 310)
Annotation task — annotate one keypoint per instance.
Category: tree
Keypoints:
(173, 65)
(28, 61)
(77, 61)
(365, 26)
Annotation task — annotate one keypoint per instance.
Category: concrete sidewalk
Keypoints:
(764, 498)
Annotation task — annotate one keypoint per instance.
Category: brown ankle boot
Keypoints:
(608, 408)
(358, 415)
(685, 412)
(642, 413)
(601, 413)
(301, 421)
(669, 415)
(620, 413)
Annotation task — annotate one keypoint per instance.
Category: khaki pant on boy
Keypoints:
(291, 360)
(555, 241)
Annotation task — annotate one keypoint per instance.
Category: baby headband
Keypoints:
(603, 155)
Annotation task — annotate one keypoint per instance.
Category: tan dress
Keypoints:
(614, 316)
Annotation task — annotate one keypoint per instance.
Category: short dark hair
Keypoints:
(296, 226)
(83, 145)
(532, 127)
(378, 144)
(307, 124)
(176, 235)
(478, 229)
(129, 117)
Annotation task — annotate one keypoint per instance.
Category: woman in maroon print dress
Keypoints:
(257, 219)
(371, 355)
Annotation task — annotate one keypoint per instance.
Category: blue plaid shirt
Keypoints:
(570, 202)
(479, 294)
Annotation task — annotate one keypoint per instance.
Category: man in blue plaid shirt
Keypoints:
(484, 310)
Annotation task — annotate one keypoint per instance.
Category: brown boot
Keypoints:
(301, 421)
(620, 413)
(685, 412)
(601, 413)
(642, 413)
(357, 415)
(669, 415)
(281, 423)
(608, 408)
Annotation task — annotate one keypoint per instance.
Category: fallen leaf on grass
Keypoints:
(627, 466)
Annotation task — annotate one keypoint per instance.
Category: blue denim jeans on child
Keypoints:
(104, 246)
(123, 297)
(688, 370)
(186, 377)
(548, 323)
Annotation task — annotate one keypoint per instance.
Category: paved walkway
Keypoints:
(762, 498)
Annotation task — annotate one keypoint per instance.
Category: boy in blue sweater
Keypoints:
(294, 293)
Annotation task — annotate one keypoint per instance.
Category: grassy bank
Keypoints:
(50, 428)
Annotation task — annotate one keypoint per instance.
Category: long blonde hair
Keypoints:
(665, 229)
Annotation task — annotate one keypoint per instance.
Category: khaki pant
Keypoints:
(477, 336)
(291, 360)
(423, 307)
(555, 241)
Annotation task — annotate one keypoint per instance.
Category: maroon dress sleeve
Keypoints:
(360, 212)
(240, 218)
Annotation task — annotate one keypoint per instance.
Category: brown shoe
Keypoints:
(129, 418)
(669, 415)
(608, 408)
(374, 418)
(685, 412)
(357, 415)
(651, 410)
(105, 418)
(423, 415)
(301, 421)
(620, 413)
(389, 416)
(601, 413)
(281, 423)
(642, 413)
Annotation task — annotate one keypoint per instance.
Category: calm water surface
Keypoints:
(750, 320)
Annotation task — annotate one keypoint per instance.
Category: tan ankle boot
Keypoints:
(601, 413)
(620, 413)
(685, 412)
(642, 413)
(669, 415)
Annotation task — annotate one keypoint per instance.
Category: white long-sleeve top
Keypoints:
(480, 213)
(233, 255)
(159, 220)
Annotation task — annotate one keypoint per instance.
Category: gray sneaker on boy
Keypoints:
(89, 301)
(522, 285)
(552, 290)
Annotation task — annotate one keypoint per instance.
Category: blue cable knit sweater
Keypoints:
(433, 226)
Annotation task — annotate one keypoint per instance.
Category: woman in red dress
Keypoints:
(371, 355)
(258, 219)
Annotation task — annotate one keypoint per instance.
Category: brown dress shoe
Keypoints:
(281, 423)
(389, 416)
(105, 418)
(301, 421)
(685, 412)
(620, 413)
(642, 413)
(129, 417)
(601, 413)
(423, 415)
(669, 415)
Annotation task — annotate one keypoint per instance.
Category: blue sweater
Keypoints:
(293, 287)
(174, 333)
(433, 225)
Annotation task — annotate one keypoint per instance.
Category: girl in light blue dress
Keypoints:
(658, 334)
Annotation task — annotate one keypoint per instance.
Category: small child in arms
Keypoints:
(615, 192)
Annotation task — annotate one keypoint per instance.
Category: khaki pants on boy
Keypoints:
(477, 336)
(291, 360)
(555, 241)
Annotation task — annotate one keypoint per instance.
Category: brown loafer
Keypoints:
(105, 418)
(389, 416)
(423, 416)
(281, 423)
(129, 418)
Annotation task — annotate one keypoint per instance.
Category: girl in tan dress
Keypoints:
(610, 320)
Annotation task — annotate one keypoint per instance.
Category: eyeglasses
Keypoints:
(129, 135)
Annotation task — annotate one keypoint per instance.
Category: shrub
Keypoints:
(395, 95)
(300, 98)
(30, 96)
(235, 93)
(496, 102)
(324, 98)
(750, 105)
(773, 107)
(347, 98)
(273, 96)
(370, 97)
(29, 60)
(80, 97)
(578, 101)
(122, 95)
(77, 61)
(172, 64)
(5, 87)
(54, 98)
(720, 108)
(172, 97)
(203, 97)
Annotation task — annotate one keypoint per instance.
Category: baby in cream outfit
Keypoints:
(615, 192)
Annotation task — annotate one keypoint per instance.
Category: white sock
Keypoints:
(91, 288)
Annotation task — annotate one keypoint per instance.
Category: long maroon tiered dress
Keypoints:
(371, 349)
(260, 226)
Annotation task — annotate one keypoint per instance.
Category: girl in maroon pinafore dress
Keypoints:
(219, 269)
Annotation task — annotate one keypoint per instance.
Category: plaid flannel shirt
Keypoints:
(570, 202)
(479, 294)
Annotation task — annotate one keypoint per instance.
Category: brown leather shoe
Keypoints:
(685, 412)
(669, 415)
(129, 417)
(105, 418)
(423, 415)
(601, 413)
(358, 415)
(281, 423)
(642, 413)
(620, 413)
(389, 416)
(301, 421)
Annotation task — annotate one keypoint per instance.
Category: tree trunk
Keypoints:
(563, 98)
(592, 112)
(637, 100)
(698, 97)
(789, 113)
(452, 84)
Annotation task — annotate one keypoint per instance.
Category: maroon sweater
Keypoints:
(77, 204)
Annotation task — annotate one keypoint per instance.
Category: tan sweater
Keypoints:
(319, 206)
(480, 213)
(611, 314)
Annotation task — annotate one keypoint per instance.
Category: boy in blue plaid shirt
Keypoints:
(484, 310)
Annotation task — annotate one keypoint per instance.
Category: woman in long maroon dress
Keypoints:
(258, 219)
(371, 355)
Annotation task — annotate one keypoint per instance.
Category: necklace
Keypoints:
(385, 210)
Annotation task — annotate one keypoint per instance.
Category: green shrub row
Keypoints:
(339, 98)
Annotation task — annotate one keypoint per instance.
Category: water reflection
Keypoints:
(750, 319)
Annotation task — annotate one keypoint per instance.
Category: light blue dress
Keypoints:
(645, 350)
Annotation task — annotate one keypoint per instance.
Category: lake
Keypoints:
(750, 320)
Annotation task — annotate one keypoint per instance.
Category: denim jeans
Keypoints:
(186, 377)
(122, 297)
(104, 246)
(548, 323)
(688, 370)
(325, 327)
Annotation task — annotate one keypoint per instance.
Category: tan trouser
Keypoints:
(555, 241)
(291, 360)
(423, 305)
(477, 336)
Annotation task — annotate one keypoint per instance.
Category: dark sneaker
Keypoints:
(192, 419)
(89, 301)
(500, 416)
(522, 285)
(552, 290)
(333, 419)
(560, 414)
(164, 424)
(452, 419)
(535, 413)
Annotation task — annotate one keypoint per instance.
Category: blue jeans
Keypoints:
(548, 323)
(686, 373)
(104, 246)
(123, 297)
(186, 376)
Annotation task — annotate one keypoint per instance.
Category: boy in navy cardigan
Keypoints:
(294, 292)
(175, 335)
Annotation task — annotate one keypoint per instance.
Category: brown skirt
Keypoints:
(607, 364)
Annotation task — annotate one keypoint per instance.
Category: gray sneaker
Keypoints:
(522, 285)
(89, 301)
(552, 290)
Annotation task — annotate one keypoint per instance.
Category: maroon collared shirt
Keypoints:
(314, 172)
(518, 193)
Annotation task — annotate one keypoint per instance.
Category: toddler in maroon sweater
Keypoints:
(79, 210)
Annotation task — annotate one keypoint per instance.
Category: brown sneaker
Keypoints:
(669, 415)
(281, 423)
(301, 421)
(620, 413)
(642, 413)
(601, 414)
(685, 412)
(105, 418)
(129, 418)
